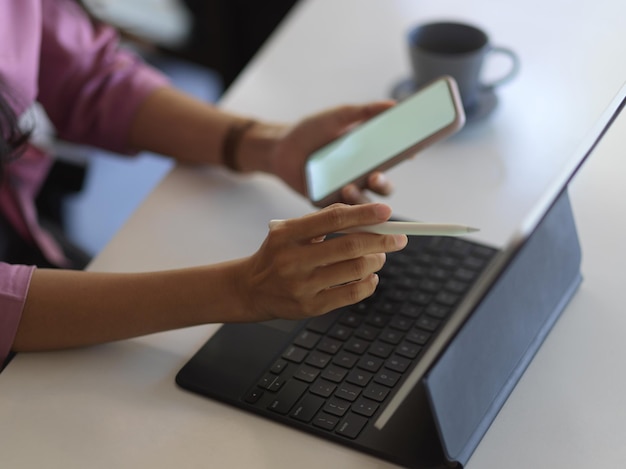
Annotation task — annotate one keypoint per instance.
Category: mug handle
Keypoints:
(512, 72)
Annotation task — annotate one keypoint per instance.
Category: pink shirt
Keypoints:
(51, 52)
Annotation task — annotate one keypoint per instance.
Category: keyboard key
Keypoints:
(437, 244)
(380, 349)
(377, 319)
(446, 298)
(387, 378)
(361, 307)
(323, 388)
(387, 307)
(439, 274)
(465, 275)
(358, 346)
(253, 396)
(376, 392)
(398, 295)
(351, 425)
(345, 359)
(394, 265)
(425, 258)
(401, 323)
(359, 377)
(307, 339)
(367, 332)
(336, 406)
(421, 298)
(278, 366)
(306, 373)
(459, 248)
(430, 286)
(318, 359)
(288, 396)
(267, 380)
(427, 323)
(437, 310)
(351, 319)
(365, 407)
(334, 373)
(307, 408)
(348, 391)
(370, 363)
(456, 286)
(340, 332)
(411, 310)
(398, 363)
(404, 285)
(408, 350)
(295, 354)
(448, 262)
(329, 345)
(326, 421)
(417, 271)
(276, 384)
(418, 336)
(391, 336)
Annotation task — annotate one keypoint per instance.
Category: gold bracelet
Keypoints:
(232, 141)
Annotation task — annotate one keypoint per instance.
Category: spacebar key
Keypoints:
(287, 396)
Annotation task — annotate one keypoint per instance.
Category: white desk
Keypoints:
(117, 405)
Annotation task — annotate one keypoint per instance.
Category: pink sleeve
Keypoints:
(89, 87)
(14, 281)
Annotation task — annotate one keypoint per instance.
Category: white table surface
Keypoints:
(117, 405)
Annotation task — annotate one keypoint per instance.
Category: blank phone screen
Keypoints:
(363, 149)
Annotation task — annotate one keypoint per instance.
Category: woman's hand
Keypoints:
(298, 273)
(172, 123)
(291, 146)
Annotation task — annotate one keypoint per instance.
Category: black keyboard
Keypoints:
(341, 367)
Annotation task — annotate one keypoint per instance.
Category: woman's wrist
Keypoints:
(256, 146)
(232, 142)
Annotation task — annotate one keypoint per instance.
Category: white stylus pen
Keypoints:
(408, 228)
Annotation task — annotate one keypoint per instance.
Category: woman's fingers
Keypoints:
(350, 270)
(379, 183)
(376, 182)
(352, 246)
(346, 294)
(344, 117)
(332, 219)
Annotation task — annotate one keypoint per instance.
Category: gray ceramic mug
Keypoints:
(458, 50)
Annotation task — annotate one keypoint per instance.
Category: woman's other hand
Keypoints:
(287, 148)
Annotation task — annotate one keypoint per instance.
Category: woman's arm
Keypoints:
(119, 103)
(171, 123)
(295, 274)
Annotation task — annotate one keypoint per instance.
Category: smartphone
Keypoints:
(430, 114)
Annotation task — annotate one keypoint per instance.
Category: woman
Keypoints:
(50, 51)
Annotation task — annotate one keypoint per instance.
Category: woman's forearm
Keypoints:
(172, 123)
(71, 308)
